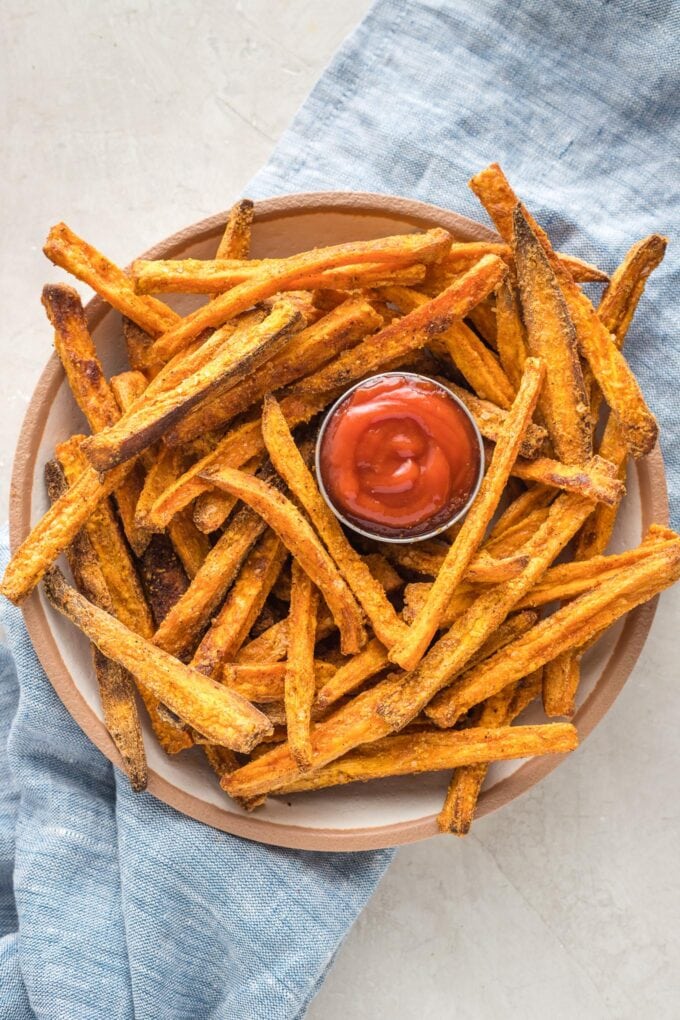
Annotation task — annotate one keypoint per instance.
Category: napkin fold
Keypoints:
(112, 902)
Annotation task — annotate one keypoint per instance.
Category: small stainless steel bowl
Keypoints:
(403, 540)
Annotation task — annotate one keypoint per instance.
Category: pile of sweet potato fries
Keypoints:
(212, 578)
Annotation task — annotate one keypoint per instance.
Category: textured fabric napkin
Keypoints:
(114, 904)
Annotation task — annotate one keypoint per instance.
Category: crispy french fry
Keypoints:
(609, 368)
(461, 255)
(620, 299)
(511, 334)
(536, 497)
(190, 545)
(235, 241)
(397, 700)
(68, 251)
(569, 628)
(476, 362)
(242, 606)
(138, 344)
(408, 652)
(315, 345)
(263, 682)
(413, 331)
(141, 427)
(394, 251)
(461, 799)
(595, 479)
(299, 683)
(212, 709)
(291, 466)
(427, 558)
(354, 673)
(551, 336)
(430, 751)
(116, 688)
(234, 450)
(297, 535)
(163, 577)
(483, 318)
(127, 596)
(490, 420)
(561, 678)
(182, 627)
(91, 392)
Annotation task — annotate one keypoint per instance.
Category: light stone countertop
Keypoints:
(132, 119)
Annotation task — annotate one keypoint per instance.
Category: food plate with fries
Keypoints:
(240, 652)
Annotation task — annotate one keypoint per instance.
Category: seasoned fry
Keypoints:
(354, 673)
(263, 682)
(141, 427)
(234, 450)
(432, 751)
(394, 251)
(294, 531)
(595, 479)
(461, 255)
(561, 678)
(242, 606)
(68, 251)
(315, 345)
(620, 299)
(569, 628)
(490, 420)
(551, 336)
(212, 709)
(428, 557)
(116, 689)
(511, 335)
(461, 799)
(291, 466)
(182, 626)
(138, 344)
(609, 368)
(473, 359)
(414, 330)
(163, 577)
(235, 241)
(396, 700)
(91, 392)
(299, 682)
(409, 652)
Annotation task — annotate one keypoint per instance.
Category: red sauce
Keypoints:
(399, 456)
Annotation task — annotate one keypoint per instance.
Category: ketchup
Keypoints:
(399, 456)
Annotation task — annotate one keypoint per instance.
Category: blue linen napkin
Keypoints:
(111, 902)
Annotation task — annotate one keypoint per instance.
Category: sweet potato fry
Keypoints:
(609, 368)
(429, 751)
(138, 429)
(56, 530)
(68, 251)
(569, 628)
(561, 678)
(398, 699)
(354, 673)
(511, 335)
(297, 535)
(461, 799)
(235, 241)
(536, 497)
(483, 319)
(490, 420)
(315, 345)
(427, 558)
(190, 545)
(212, 709)
(116, 689)
(472, 358)
(408, 652)
(595, 479)
(182, 626)
(138, 344)
(163, 577)
(263, 682)
(551, 336)
(415, 330)
(291, 466)
(461, 255)
(394, 251)
(620, 299)
(299, 683)
(234, 450)
(242, 606)
(91, 392)
(411, 693)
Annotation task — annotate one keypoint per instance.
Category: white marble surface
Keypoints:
(131, 119)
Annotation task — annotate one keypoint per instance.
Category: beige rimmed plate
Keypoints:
(357, 816)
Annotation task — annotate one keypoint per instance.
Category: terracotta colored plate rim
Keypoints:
(654, 506)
